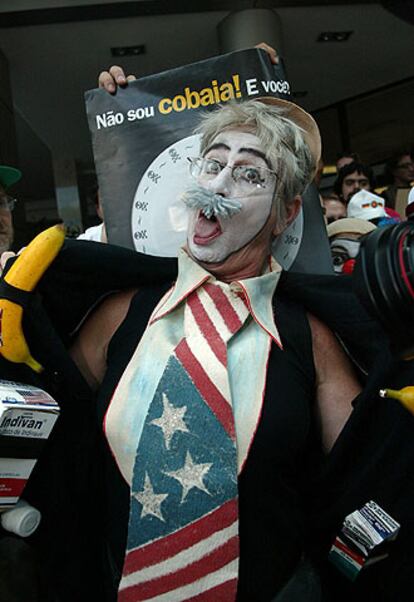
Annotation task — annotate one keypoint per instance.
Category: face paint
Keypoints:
(213, 238)
(342, 250)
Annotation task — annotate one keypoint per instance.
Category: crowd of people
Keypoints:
(354, 194)
(355, 200)
(225, 390)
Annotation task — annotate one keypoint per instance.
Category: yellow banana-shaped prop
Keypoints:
(404, 396)
(24, 274)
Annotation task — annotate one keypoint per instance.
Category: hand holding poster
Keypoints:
(143, 139)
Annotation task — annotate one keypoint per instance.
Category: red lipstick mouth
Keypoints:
(206, 229)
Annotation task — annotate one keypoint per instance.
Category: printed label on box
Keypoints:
(14, 473)
(16, 422)
(12, 393)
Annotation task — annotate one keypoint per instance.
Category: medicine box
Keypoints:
(27, 417)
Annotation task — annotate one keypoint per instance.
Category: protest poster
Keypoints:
(143, 136)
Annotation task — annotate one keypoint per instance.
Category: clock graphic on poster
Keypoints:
(286, 247)
(159, 217)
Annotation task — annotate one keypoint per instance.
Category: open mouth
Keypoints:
(206, 229)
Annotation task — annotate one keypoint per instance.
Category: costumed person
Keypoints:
(210, 420)
(345, 240)
(216, 394)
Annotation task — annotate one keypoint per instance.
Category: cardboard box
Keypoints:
(364, 539)
(27, 417)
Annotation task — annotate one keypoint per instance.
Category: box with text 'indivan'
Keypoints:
(27, 417)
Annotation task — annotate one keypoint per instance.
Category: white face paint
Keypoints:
(343, 249)
(213, 240)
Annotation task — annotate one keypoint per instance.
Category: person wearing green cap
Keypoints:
(8, 177)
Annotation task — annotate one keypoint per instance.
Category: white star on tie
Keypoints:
(151, 501)
(171, 420)
(190, 475)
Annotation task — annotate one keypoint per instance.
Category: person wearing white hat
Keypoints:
(287, 373)
(366, 205)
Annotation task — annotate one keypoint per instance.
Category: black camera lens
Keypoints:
(383, 279)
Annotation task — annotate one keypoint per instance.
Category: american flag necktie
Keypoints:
(183, 541)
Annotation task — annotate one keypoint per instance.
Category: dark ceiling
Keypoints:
(56, 48)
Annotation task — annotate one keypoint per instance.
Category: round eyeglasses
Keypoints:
(243, 175)
(7, 202)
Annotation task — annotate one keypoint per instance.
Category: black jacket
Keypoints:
(372, 459)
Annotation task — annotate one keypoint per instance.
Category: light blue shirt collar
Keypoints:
(258, 292)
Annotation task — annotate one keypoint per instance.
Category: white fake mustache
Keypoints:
(210, 203)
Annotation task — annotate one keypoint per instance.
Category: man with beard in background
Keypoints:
(352, 178)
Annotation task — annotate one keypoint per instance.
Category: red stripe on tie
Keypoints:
(244, 299)
(225, 592)
(224, 307)
(207, 328)
(207, 389)
(184, 576)
(168, 546)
